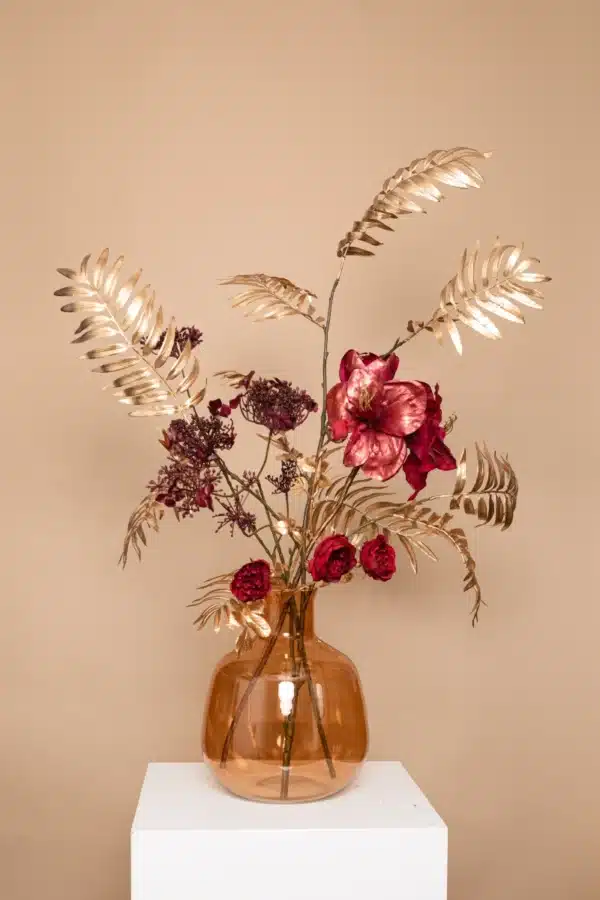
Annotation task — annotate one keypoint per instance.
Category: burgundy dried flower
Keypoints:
(333, 558)
(378, 558)
(185, 486)
(218, 408)
(252, 582)
(276, 405)
(234, 515)
(283, 483)
(198, 439)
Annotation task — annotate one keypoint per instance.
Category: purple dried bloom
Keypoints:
(235, 515)
(198, 439)
(185, 486)
(289, 473)
(275, 404)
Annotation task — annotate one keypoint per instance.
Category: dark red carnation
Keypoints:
(252, 582)
(426, 445)
(333, 558)
(378, 558)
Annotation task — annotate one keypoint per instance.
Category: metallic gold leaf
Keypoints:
(147, 514)
(366, 510)
(131, 315)
(492, 497)
(396, 198)
(271, 297)
(495, 284)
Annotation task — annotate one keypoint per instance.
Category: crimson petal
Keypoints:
(404, 406)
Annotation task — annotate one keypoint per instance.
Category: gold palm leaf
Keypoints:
(365, 511)
(221, 607)
(269, 297)
(147, 514)
(495, 284)
(129, 325)
(418, 180)
(493, 495)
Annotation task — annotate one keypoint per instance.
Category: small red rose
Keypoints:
(378, 559)
(252, 582)
(333, 558)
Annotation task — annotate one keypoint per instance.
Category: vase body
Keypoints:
(285, 720)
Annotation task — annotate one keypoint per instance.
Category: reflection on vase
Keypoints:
(285, 720)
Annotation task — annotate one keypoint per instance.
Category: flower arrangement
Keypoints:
(373, 427)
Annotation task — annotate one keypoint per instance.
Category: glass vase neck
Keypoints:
(297, 609)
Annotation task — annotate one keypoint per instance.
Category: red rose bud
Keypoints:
(333, 558)
(378, 559)
(252, 582)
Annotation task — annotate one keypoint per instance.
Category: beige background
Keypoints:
(204, 139)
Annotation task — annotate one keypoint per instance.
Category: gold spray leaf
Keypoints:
(495, 284)
(270, 297)
(131, 315)
(493, 495)
(366, 510)
(147, 514)
(219, 605)
(396, 198)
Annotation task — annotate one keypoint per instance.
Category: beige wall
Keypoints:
(203, 139)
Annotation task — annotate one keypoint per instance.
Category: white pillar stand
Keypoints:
(380, 839)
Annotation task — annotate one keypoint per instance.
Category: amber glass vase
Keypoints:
(285, 720)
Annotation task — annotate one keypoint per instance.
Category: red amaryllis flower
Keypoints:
(252, 582)
(333, 558)
(378, 558)
(426, 445)
(374, 412)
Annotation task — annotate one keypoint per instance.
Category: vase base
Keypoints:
(268, 783)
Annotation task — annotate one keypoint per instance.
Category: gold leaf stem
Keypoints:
(323, 433)
(269, 647)
(354, 472)
(312, 691)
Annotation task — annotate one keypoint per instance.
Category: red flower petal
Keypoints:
(382, 368)
(404, 405)
(337, 414)
(386, 456)
(359, 447)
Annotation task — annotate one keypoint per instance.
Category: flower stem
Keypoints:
(323, 433)
(312, 690)
(289, 726)
(269, 647)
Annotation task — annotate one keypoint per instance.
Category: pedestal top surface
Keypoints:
(184, 796)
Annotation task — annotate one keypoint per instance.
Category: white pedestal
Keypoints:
(380, 839)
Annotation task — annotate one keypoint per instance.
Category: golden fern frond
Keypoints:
(127, 316)
(493, 495)
(269, 297)
(232, 378)
(397, 196)
(495, 284)
(147, 514)
(365, 512)
(219, 605)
